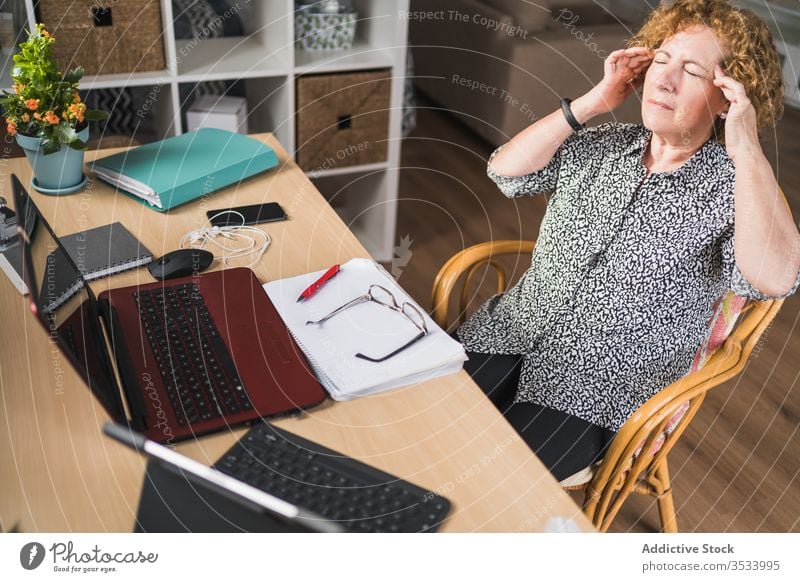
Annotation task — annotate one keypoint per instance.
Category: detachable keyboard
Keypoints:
(337, 487)
(198, 372)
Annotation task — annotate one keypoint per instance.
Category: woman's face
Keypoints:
(679, 98)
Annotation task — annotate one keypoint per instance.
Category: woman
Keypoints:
(646, 227)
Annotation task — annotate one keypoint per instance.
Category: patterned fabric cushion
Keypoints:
(724, 315)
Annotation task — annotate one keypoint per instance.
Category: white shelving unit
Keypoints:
(267, 63)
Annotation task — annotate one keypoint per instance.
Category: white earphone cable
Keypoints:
(209, 235)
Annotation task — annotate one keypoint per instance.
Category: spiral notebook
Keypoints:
(97, 252)
(368, 327)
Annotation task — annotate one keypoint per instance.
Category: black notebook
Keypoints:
(97, 252)
(11, 265)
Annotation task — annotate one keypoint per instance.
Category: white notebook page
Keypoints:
(368, 328)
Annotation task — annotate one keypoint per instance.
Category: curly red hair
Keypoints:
(751, 58)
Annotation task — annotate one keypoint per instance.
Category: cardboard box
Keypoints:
(221, 112)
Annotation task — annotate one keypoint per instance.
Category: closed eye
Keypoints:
(687, 70)
(694, 74)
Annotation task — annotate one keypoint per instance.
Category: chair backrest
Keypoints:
(470, 260)
(724, 315)
(665, 416)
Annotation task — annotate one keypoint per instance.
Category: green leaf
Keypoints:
(78, 144)
(64, 133)
(49, 146)
(74, 75)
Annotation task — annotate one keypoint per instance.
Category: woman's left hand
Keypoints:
(741, 129)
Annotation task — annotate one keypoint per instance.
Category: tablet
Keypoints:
(181, 495)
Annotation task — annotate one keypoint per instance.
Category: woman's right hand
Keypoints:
(532, 148)
(622, 75)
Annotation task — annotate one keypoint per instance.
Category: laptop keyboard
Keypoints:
(198, 372)
(337, 487)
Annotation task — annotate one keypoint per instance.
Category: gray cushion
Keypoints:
(533, 15)
(583, 13)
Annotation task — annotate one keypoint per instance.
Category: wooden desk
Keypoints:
(58, 473)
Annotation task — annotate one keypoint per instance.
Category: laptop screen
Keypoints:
(64, 304)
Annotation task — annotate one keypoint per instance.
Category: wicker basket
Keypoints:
(105, 36)
(342, 119)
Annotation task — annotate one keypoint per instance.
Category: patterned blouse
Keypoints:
(623, 276)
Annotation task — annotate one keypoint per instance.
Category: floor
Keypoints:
(736, 468)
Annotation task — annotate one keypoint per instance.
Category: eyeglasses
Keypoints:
(382, 296)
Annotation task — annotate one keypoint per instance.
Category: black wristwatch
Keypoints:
(573, 123)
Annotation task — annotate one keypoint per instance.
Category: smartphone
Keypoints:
(254, 214)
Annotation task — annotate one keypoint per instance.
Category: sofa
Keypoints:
(499, 65)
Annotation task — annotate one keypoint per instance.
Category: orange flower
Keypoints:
(11, 127)
(51, 118)
(32, 104)
(76, 97)
(77, 110)
(37, 115)
(45, 33)
(25, 117)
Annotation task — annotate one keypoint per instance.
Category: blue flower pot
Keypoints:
(56, 172)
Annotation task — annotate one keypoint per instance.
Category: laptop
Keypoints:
(173, 359)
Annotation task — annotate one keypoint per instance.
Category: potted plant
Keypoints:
(45, 113)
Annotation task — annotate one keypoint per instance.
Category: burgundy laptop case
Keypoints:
(274, 370)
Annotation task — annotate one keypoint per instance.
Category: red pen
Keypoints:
(317, 285)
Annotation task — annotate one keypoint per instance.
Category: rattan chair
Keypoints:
(657, 425)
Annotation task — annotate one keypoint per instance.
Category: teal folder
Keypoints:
(179, 169)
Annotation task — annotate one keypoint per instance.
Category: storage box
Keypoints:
(105, 36)
(8, 33)
(342, 119)
(221, 112)
(314, 31)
